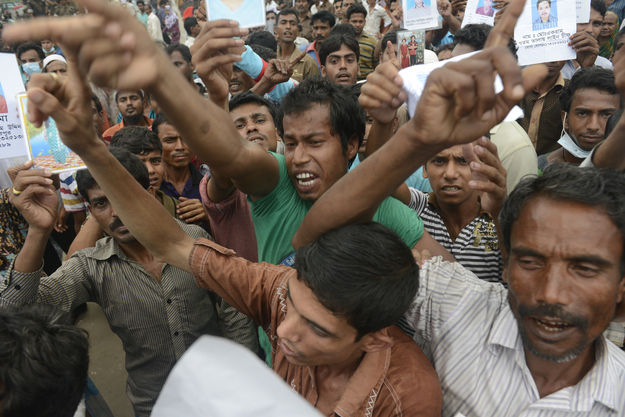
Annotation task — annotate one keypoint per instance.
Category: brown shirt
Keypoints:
(306, 31)
(303, 69)
(399, 381)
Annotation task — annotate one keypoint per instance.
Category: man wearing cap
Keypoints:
(130, 104)
(55, 64)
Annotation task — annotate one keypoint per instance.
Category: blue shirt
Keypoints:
(416, 180)
(551, 23)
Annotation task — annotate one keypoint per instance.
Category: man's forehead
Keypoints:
(287, 18)
(592, 97)
(249, 110)
(128, 94)
(342, 52)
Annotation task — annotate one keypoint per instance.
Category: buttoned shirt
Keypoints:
(550, 23)
(380, 386)
(310, 51)
(156, 321)
(374, 19)
(467, 329)
(306, 31)
(191, 187)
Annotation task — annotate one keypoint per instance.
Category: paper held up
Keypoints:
(11, 137)
(415, 77)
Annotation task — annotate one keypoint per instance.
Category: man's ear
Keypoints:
(358, 66)
(191, 66)
(352, 146)
(377, 341)
(323, 71)
(425, 170)
(565, 120)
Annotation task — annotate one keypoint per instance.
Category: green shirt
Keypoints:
(278, 215)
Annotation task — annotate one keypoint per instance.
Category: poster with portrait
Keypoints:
(44, 146)
(420, 15)
(479, 11)
(582, 10)
(11, 138)
(249, 13)
(410, 47)
(543, 30)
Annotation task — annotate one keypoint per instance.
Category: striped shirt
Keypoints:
(72, 200)
(550, 23)
(466, 328)
(367, 61)
(156, 321)
(477, 245)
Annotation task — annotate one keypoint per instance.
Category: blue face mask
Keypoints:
(49, 51)
(31, 68)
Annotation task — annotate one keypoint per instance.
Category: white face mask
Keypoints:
(570, 143)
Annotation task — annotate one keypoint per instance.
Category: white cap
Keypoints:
(53, 57)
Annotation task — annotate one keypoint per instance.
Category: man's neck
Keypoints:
(137, 252)
(177, 176)
(142, 122)
(551, 376)
(457, 217)
(547, 84)
(286, 50)
(358, 36)
(572, 159)
(317, 47)
(303, 15)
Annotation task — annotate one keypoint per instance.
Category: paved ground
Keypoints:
(106, 367)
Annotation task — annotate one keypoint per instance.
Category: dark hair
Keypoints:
(27, 46)
(334, 43)
(338, 1)
(265, 53)
(287, 11)
(264, 38)
(161, 2)
(475, 35)
(140, 1)
(44, 361)
(347, 117)
(543, 1)
(343, 28)
(354, 9)
(445, 47)
(612, 122)
(592, 77)
(364, 273)
(391, 35)
(159, 120)
(248, 97)
(600, 188)
(618, 36)
(189, 22)
(179, 47)
(97, 103)
(138, 140)
(137, 91)
(131, 162)
(599, 5)
(323, 16)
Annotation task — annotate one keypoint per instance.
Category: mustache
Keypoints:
(553, 311)
(180, 154)
(116, 223)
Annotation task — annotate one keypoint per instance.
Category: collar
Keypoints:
(367, 379)
(106, 248)
(556, 88)
(432, 200)
(311, 46)
(296, 52)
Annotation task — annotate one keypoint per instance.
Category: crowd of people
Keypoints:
(270, 186)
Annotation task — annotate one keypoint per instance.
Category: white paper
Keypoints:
(420, 15)
(11, 136)
(545, 44)
(479, 11)
(220, 378)
(249, 13)
(415, 77)
(582, 10)
(44, 146)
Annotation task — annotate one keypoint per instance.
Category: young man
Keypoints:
(142, 15)
(322, 22)
(287, 28)
(545, 19)
(375, 16)
(154, 25)
(30, 57)
(339, 57)
(586, 103)
(356, 15)
(180, 56)
(130, 104)
(192, 27)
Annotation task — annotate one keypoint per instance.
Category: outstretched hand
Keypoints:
(280, 70)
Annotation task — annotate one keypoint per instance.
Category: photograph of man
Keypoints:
(544, 18)
(249, 13)
(417, 9)
(486, 8)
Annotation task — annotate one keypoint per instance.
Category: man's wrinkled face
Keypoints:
(106, 216)
(255, 123)
(57, 67)
(544, 10)
(240, 81)
(588, 115)
(341, 66)
(608, 25)
(593, 27)
(286, 28)
(175, 152)
(564, 277)
(449, 175)
(130, 105)
(313, 153)
(357, 20)
(301, 6)
(185, 68)
(310, 334)
(321, 31)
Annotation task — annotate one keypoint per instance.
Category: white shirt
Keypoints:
(190, 40)
(372, 25)
(569, 67)
(466, 328)
(154, 27)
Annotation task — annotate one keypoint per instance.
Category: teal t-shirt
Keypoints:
(278, 215)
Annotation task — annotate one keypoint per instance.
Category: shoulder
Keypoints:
(508, 137)
(192, 230)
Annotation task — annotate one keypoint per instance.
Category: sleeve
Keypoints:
(418, 200)
(385, 17)
(251, 63)
(519, 164)
(400, 218)
(246, 286)
(237, 327)
(280, 90)
(215, 210)
(67, 288)
(586, 163)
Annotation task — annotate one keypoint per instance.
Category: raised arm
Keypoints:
(458, 105)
